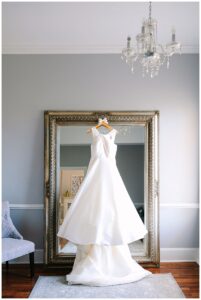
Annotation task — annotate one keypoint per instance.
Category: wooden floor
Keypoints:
(16, 283)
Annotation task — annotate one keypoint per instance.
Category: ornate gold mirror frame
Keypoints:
(150, 121)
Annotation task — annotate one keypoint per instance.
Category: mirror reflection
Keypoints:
(73, 156)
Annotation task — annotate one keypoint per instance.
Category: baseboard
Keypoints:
(166, 254)
(198, 256)
(179, 254)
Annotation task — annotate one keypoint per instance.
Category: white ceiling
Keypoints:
(92, 27)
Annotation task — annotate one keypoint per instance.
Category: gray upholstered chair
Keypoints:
(13, 244)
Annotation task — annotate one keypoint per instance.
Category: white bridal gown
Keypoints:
(102, 221)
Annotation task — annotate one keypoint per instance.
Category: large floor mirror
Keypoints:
(67, 155)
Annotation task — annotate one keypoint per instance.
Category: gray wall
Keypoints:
(130, 163)
(34, 83)
(74, 156)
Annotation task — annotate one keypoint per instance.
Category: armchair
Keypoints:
(13, 244)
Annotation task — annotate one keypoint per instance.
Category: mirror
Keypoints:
(69, 147)
(73, 160)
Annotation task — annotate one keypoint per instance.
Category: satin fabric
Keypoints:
(102, 211)
(102, 221)
(105, 265)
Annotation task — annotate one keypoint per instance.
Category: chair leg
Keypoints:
(31, 259)
(7, 265)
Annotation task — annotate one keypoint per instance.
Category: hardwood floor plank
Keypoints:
(16, 282)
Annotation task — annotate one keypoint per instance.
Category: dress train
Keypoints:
(97, 265)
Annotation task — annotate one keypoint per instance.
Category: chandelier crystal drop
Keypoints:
(147, 51)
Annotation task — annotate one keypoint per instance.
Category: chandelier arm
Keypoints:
(163, 49)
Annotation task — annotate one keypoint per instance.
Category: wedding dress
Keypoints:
(102, 221)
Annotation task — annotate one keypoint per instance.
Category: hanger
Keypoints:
(102, 122)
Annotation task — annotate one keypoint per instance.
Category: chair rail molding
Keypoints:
(26, 206)
(41, 206)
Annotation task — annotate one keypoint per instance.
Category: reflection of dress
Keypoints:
(102, 220)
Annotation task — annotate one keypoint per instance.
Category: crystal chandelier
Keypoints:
(147, 51)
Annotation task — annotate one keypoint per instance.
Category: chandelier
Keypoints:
(147, 51)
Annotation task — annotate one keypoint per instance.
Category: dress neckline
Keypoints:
(104, 134)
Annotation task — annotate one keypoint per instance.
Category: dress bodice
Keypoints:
(103, 144)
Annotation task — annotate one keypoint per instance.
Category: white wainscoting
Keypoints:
(167, 255)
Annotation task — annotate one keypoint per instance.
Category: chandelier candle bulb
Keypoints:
(128, 42)
(173, 34)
